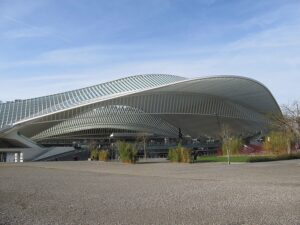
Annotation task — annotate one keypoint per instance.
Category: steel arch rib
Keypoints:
(248, 97)
(173, 84)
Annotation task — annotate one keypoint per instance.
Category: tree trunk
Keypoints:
(145, 151)
(228, 155)
(288, 147)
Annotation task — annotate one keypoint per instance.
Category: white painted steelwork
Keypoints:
(154, 103)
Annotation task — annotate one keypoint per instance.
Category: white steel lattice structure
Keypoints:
(154, 103)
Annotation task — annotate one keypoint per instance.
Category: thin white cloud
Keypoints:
(18, 9)
(270, 55)
(283, 36)
(285, 14)
(69, 56)
(28, 30)
(256, 56)
(26, 33)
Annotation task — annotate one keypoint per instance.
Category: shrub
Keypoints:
(234, 145)
(180, 154)
(278, 143)
(104, 155)
(174, 155)
(127, 151)
(94, 154)
(185, 155)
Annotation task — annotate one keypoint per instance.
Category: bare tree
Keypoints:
(92, 144)
(291, 114)
(288, 123)
(143, 138)
(225, 136)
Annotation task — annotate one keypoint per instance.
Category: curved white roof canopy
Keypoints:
(199, 106)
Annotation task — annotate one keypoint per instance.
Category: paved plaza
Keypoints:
(150, 193)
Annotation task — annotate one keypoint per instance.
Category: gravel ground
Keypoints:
(150, 193)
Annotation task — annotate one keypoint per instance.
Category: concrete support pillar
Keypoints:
(16, 157)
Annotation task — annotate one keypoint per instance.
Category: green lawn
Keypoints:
(239, 158)
(248, 158)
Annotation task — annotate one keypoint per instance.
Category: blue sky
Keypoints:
(50, 46)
